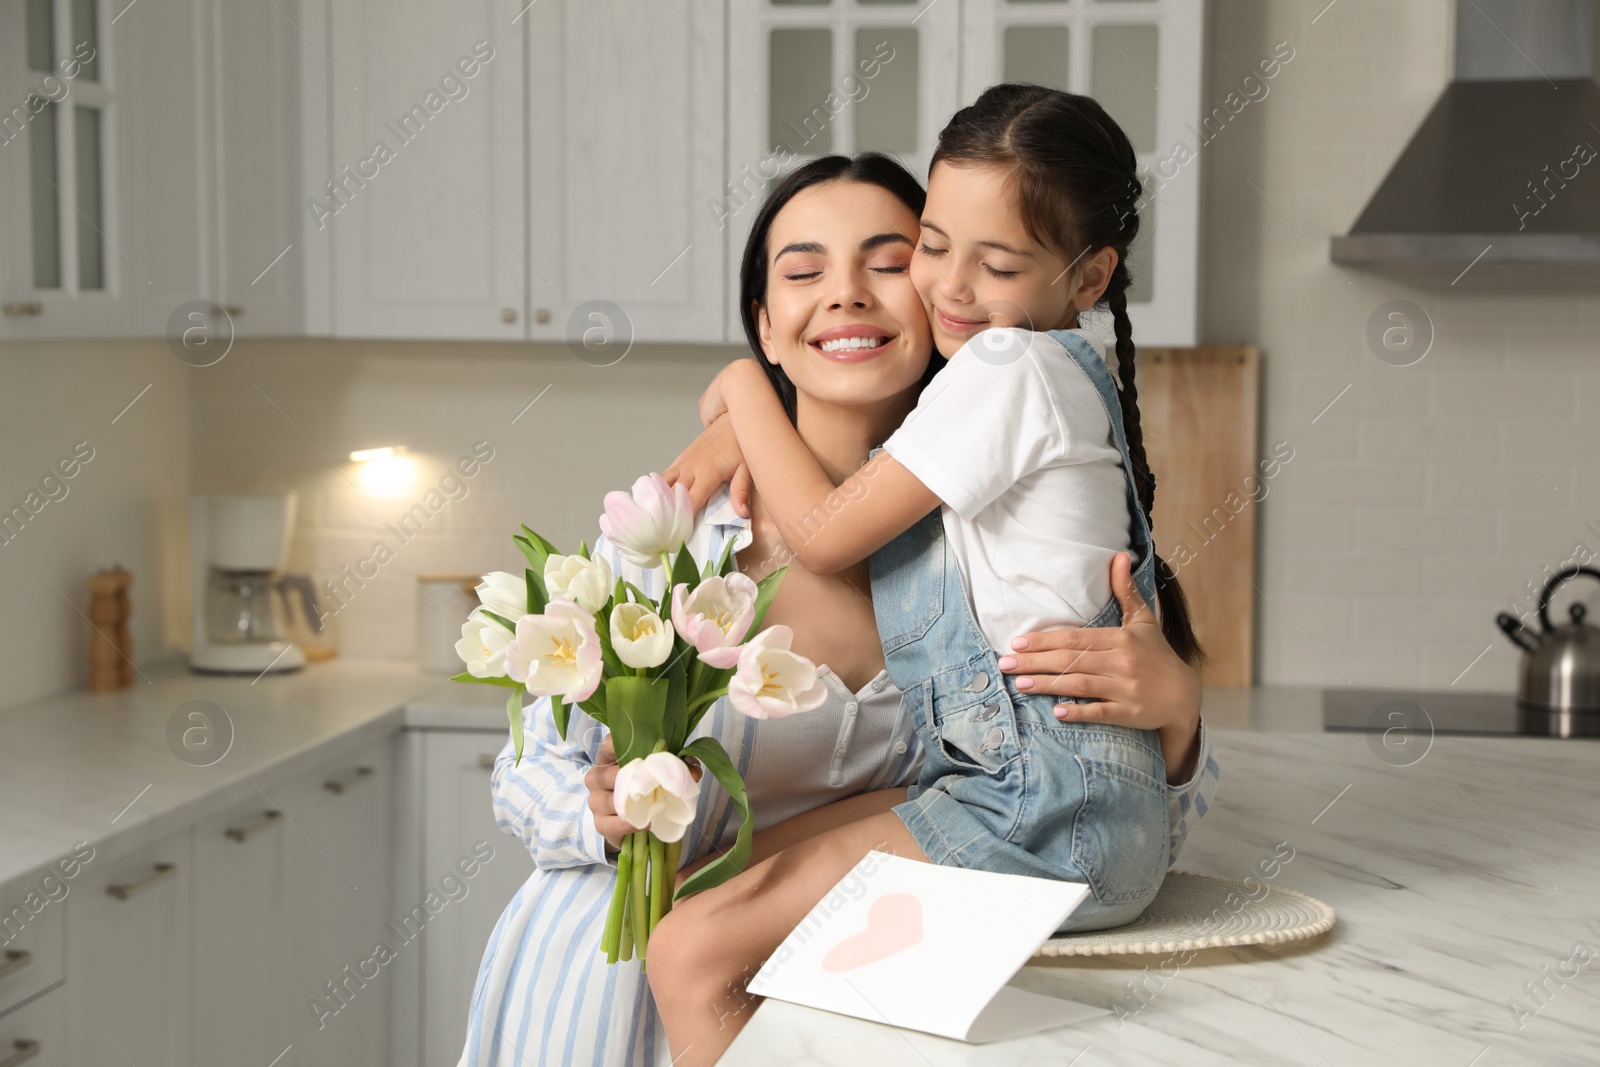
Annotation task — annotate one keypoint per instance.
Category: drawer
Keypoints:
(32, 939)
(35, 1034)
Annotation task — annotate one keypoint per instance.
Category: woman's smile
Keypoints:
(853, 342)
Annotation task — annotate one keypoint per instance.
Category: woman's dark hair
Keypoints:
(1074, 175)
(868, 168)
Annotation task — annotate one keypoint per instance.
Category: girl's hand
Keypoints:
(601, 782)
(1131, 671)
(712, 404)
(711, 459)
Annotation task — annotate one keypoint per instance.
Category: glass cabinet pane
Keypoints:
(86, 31)
(1124, 68)
(800, 73)
(91, 215)
(886, 115)
(1038, 54)
(41, 30)
(44, 202)
(1142, 291)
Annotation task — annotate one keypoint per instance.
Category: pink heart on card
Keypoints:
(894, 924)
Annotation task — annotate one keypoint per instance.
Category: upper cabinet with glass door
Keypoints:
(1142, 60)
(815, 77)
(55, 120)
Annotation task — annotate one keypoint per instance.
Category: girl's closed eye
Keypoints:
(928, 250)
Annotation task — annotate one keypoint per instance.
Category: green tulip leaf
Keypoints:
(711, 753)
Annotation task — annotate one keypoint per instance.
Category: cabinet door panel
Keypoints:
(38, 1031)
(424, 196)
(340, 852)
(626, 123)
(459, 827)
(128, 942)
(243, 1011)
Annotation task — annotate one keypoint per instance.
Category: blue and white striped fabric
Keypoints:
(544, 993)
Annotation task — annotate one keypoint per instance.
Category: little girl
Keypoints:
(993, 510)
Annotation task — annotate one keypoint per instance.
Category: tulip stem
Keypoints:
(659, 879)
(625, 937)
(619, 898)
(641, 891)
(706, 698)
(674, 855)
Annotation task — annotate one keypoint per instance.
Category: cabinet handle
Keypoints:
(25, 1050)
(541, 316)
(123, 892)
(28, 307)
(243, 833)
(233, 311)
(508, 315)
(486, 761)
(16, 959)
(339, 785)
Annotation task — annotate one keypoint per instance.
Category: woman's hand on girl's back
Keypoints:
(1130, 672)
(708, 461)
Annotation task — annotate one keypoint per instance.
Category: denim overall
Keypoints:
(1006, 786)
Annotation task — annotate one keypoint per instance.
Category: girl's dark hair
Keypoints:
(1074, 175)
(867, 168)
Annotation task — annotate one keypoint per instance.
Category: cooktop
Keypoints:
(1404, 721)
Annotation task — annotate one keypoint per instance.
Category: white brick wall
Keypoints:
(1418, 505)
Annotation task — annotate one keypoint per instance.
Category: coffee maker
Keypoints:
(239, 545)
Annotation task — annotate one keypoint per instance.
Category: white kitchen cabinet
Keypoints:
(268, 109)
(459, 834)
(339, 869)
(423, 196)
(35, 1033)
(626, 120)
(129, 937)
(1143, 60)
(243, 1013)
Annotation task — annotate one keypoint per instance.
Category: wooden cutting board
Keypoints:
(1198, 409)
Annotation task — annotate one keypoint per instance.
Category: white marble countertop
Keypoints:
(98, 767)
(1456, 881)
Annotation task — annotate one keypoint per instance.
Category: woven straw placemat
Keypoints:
(1195, 911)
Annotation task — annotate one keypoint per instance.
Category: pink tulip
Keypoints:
(773, 682)
(653, 519)
(715, 616)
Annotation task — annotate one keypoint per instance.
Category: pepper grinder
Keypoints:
(110, 646)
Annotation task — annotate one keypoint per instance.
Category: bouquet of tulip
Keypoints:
(646, 670)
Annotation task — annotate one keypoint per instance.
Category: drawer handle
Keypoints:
(25, 1050)
(123, 892)
(16, 959)
(486, 762)
(339, 785)
(243, 833)
(28, 307)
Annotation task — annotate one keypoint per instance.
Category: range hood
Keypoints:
(1505, 170)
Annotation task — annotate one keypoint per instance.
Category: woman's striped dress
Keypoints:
(544, 993)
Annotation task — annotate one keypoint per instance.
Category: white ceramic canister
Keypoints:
(443, 603)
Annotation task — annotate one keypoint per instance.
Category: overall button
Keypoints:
(994, 738)
(989, 711)
(979, 683)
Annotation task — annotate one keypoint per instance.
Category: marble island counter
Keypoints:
(1468, 929)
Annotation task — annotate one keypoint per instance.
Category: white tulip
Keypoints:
(557, 653)
(715, 616)
(504, 594)
(483, 645)
(653, 519)
(640, 637)
(772, 682)
(585, 581)
(657, 793)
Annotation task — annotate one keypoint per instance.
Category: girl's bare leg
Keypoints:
(709, 946)
(775, 839)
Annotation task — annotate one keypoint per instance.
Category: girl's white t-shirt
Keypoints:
(1012, 436)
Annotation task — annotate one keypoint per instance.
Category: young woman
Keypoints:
(544, 993)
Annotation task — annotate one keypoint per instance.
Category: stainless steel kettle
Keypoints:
(1561, 670)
